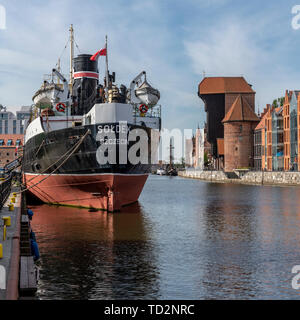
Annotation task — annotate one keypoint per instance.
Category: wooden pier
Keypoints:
(17, 259)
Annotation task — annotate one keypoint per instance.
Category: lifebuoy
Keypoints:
(61, 107)
(143, 108)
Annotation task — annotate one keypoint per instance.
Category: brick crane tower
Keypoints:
(229, 104)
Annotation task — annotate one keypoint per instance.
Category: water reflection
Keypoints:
(189, 240)
(251, 242)
(92, 255)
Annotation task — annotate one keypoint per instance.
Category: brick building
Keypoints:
(279, 129)
(12, 128)
(230, 108)
(260, 136)
(239, 124)
(11, 146)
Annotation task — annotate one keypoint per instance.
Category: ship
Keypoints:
(91, 144)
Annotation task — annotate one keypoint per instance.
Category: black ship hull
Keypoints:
(63, 167)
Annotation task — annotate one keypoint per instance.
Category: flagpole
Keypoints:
(107, 76)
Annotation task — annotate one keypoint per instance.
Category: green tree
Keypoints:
(182, 162)
(205, 159)
(281, 100)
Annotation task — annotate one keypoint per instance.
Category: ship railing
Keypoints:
(5, 187)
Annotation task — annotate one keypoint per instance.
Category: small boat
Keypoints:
(147, 94)
(172, 172)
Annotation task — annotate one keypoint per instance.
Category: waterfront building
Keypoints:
(220, 94)
(277, 140)
(260, 136)
(12, 129)
(199, 150)
(189, 160)
(277, 136)
(239, 124)
(290, 113)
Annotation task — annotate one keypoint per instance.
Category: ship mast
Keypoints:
(58, 69)
(71, 57)
(107, 75)
(171, 153)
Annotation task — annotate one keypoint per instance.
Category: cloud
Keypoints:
(142, 36)
(227, 51)
(259, 46)
(173, 41)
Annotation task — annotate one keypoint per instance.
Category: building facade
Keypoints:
(189, 159)
(218, 95)
(199, 150)
(12, 129)
(279, 129)
(239, 124)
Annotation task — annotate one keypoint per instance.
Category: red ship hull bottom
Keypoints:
(107, 192)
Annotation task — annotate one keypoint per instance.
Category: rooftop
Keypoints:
(261, 124)
(240, 111)
(213, 85)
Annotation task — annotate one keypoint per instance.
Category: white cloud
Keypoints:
(164, 40)
(258, 47)
(230, 50)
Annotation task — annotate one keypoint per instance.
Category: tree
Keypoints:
(278, 102)
(205, 159)
(182, 162)
(281, 100)
(275, 104)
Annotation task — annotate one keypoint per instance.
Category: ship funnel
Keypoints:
(86, 78)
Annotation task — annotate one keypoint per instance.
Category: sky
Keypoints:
(174, 41)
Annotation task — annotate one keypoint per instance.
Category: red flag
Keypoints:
(101, 52)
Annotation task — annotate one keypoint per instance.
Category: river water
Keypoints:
(185, 239)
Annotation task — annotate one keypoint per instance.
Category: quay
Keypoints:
(245, 177)
(18, 275)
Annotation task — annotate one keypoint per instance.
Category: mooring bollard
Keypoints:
(4, 232)
(7, 221)
(1, 251)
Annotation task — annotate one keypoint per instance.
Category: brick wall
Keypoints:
(8, 153)
(238, 145)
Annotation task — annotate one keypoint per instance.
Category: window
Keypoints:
(3, 115)
(18, 142)
(1, 142)
(14, 126)
(9, 142)
(23, 115)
